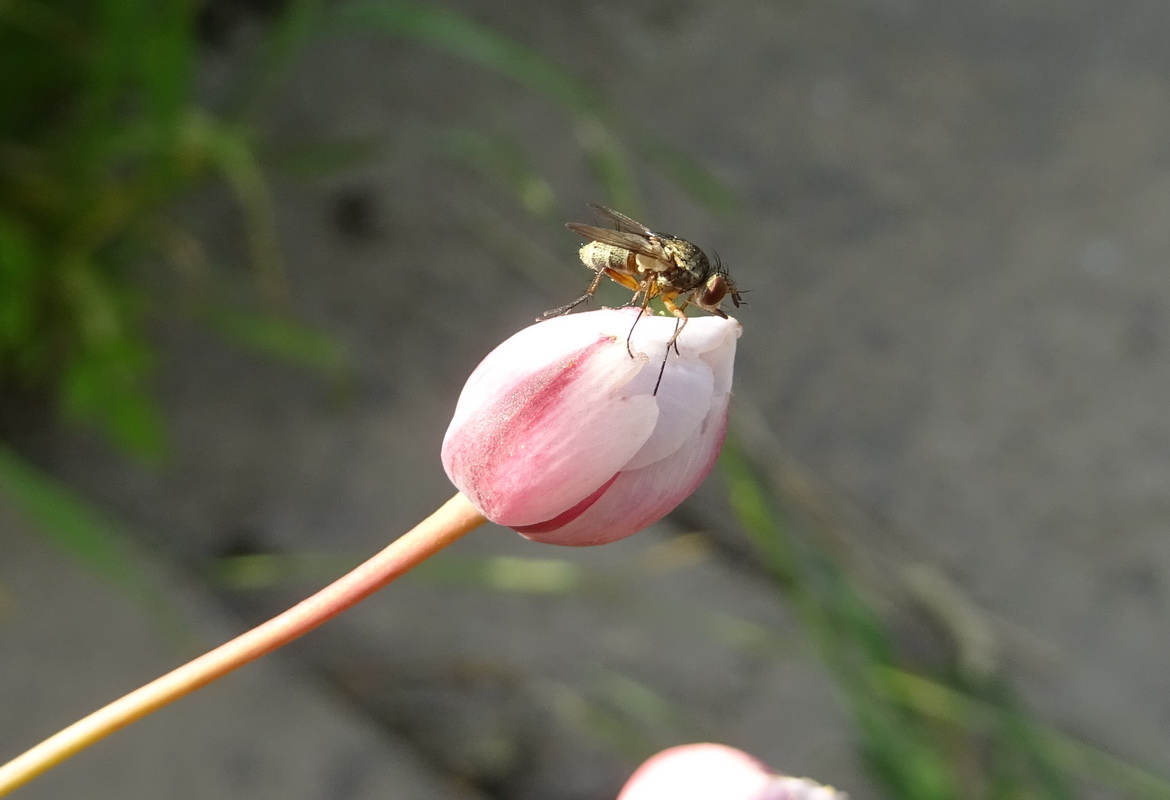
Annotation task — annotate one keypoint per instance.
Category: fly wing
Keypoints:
(620, 220)
(630, 241)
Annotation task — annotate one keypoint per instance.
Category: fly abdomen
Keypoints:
(598, 256)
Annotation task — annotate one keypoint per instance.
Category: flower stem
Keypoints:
(451, 521)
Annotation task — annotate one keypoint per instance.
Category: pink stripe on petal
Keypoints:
(641, 497)
(570, 515)
(550, 439)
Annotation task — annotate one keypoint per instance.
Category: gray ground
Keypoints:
(954, 230)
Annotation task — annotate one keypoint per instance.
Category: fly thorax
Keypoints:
(647, 263)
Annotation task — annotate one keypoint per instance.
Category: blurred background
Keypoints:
(250, 250)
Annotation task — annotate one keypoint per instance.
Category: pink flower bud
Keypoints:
(717, 772)
(560, 435)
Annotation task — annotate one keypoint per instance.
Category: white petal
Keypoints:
(699, 772)
(698, 372)
(530, 348)
(535, 442)
(643, 496)
(684, 399)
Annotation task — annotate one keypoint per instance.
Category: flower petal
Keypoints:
(530, 349)
(698, 772)
(717, 772)
(567, 433)
(691, 377)
(527, 444)
(684, 398)
(641, 497)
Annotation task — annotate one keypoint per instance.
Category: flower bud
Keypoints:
(717, 772)
(566, 435)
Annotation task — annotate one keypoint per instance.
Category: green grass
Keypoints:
(927, 731)
(101, 132)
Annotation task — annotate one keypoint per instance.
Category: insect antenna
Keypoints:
(734, 291)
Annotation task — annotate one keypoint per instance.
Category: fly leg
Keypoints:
(666, 353)
(645, 304)
(556, 312)
(680, 322)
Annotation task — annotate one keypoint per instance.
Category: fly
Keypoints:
(651, 265)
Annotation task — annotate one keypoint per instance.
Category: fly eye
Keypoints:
(713, 293)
